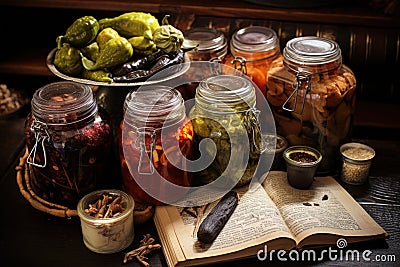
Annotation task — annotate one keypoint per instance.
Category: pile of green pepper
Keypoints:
(127, 48)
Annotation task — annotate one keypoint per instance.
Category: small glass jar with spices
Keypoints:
(252, 50)
(225, 112)
(155, 142)
(312, 96)
(69, 139)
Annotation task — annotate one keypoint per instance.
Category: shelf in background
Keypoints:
(348, 14)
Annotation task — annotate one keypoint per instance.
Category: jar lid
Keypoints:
(204, 38)
(255, 39)
(311, 50)
(223, 92)
(154, 106)
(63, 102)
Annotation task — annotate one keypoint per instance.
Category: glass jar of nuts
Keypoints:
(312, 96)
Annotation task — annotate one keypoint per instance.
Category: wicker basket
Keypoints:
(141, 213)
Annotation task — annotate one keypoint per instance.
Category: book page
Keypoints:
(255, 221)
(325, 208)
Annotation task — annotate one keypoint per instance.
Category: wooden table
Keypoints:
(29, 237)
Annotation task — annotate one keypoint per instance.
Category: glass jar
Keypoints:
(225, 112)
(70, 143)
(211, 44)
(356, 162)
(109, 231)
(252, 50)
(312, 96)
(155, 138)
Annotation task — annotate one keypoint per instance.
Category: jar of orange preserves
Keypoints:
(155, 138)
(252, 50)
(312, 95)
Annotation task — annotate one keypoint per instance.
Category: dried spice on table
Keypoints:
(10, 100)
(146, 247)
(196, 212)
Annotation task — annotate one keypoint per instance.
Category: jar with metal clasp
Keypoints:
(252, 50)
(225, 112)
(69, 138)
(210, 45)
(155, 140)
(312, 96)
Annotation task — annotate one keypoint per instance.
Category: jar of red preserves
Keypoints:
(252, 50)
(155, 139)
(69, 139)
(312, 96)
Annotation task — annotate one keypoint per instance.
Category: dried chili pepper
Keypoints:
(164, 61)
(141, 63)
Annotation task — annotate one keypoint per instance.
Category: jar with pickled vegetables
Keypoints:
(69, 139)
(155, 139)
(252, 50)
(312, 96)
(224, 111)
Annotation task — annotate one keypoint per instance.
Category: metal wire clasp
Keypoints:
(302, 80)
(140, 144)
(216, 69)
(239, 63)
(41, 135)
(253, 126)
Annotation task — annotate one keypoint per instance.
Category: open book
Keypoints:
(274, 216)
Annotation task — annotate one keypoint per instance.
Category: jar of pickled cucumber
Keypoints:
(252, 50)
(224, 111)
(69, 138)
(155, 139)
(312, 96)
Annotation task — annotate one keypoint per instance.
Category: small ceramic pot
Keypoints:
(112, 233)
(301, 164)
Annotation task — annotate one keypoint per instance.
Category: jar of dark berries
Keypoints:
(69, 139)
(155, 145)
